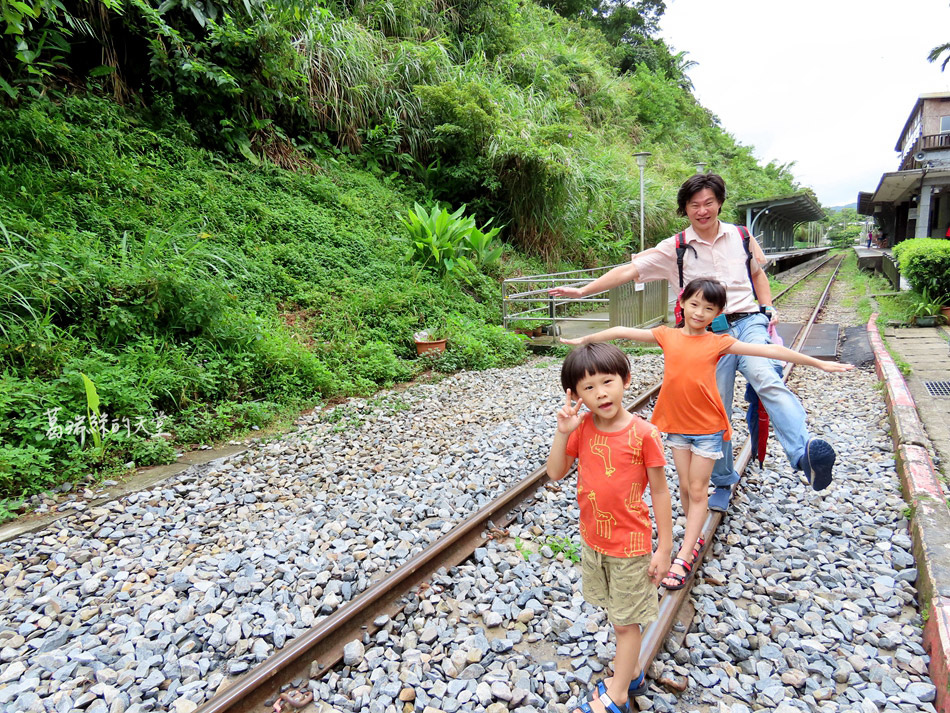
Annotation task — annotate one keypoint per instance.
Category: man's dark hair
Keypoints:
(590, 359)
(697, 182)
(710, 290)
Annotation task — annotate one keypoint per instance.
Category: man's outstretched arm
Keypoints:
(612, 278)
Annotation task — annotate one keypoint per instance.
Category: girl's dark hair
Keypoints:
(710, 290)
(590, 359)
(697, 182)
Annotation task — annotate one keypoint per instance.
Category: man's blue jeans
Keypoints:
(785, 410)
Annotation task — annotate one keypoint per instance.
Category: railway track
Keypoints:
(270, 686)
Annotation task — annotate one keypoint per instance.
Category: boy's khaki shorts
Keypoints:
(620, 585)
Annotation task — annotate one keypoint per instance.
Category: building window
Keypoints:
(945, 124)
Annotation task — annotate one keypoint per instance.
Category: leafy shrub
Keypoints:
(447, 243)
(24, 469)
(487, 26)
(152, 451)
(206, 423)
(379, 364)
(842, 236)
(925, 262)
(476, 345)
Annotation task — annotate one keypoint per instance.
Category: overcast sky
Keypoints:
(827, 84)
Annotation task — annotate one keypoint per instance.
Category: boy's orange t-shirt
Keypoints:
(611, 481)
(689, 398)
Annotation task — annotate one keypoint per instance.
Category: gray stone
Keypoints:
(353, 653)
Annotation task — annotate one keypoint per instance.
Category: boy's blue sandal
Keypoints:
(638, 686)
(817, 463)
(719, 500)
(608, 704)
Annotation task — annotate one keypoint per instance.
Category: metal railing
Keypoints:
(639, 304)
(891, 270)
(526, 299)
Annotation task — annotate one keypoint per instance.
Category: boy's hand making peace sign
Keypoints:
(567, 418)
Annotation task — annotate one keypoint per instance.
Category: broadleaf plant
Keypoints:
(449, 244)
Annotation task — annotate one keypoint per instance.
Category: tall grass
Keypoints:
(530, 125)
(30, 291)
(497, 104)
(356, 78)
(216, 292)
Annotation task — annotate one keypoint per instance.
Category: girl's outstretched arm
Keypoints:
(774, 351)
(606, 335)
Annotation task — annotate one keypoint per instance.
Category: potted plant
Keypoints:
(925, 262)
(430, 340)
(944, 303)
(936, 294)
(926, 312)
(520, 326)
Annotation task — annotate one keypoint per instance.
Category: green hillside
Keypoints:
(203, 205)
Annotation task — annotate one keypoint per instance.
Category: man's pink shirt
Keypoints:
(724, 259)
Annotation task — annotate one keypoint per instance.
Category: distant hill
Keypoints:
(839, 208)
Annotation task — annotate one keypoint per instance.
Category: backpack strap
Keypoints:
(681, 248)
(746, 240)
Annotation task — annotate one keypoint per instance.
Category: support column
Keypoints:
(923, 213)
(769, 235)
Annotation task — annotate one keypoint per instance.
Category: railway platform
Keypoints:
(919, 412)
(786, 260)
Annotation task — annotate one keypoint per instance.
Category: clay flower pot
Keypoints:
(433, 345)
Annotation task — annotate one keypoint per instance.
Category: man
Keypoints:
(715, 249)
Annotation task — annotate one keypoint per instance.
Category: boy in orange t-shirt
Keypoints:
(618, 455)
(688, 408)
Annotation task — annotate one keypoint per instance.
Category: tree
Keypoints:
(681, 66)
(621, 21)
(937, 51)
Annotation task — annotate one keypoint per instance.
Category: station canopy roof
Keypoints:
(865, 203)
(900, 186)
(795, 208)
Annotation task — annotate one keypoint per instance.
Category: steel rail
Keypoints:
(321, 648)
(803, 277)
(671, 600)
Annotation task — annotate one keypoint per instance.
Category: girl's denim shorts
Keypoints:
(705, 445)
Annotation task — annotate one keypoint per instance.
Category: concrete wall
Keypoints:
(933, 109)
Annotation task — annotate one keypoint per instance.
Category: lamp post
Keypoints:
(700, 167)
(641, 163)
